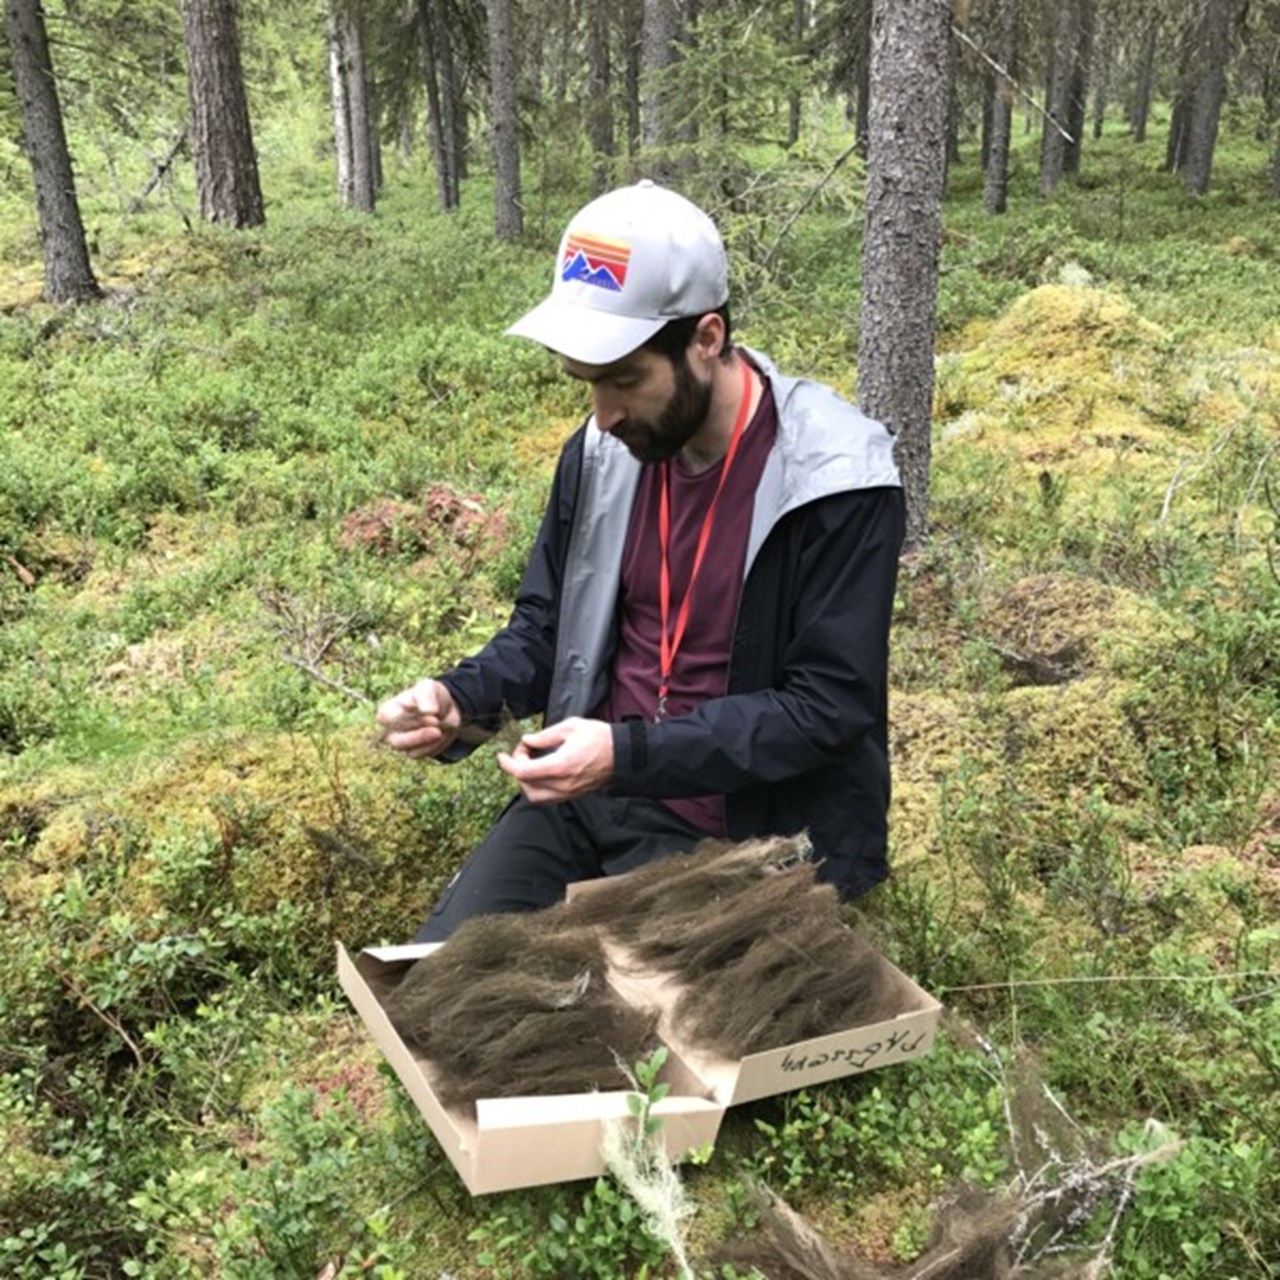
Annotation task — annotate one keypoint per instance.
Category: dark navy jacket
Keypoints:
(799, 742)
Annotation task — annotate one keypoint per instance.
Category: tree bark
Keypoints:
(452, 112)
(562, 63)
(990, 86)
(534, 57)
(374, 134)
(435, 115)
(600, 97)
(351, 47)
(686, 46)
(862, 105)
(799, 29)
(910, 54)
(1102, 66)
(633, 42)
(340, 106)
(1078, 92)
(953, 107)
(68, 276)
(1146, 81)
(1175, 153)
(508, 210)
(995, 187)
(226, 165)
(1211, 88)
(1057, 96)
(438, 74)
(659, 48)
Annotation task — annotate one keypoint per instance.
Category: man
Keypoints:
(704, 619)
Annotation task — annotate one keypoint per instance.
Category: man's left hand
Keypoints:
(562, 761)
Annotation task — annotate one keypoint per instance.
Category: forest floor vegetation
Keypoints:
(274, 476)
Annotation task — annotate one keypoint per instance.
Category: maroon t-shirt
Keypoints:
(702, 662)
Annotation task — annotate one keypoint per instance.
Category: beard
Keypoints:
(680, 420)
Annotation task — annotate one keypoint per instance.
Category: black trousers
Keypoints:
(533, 851)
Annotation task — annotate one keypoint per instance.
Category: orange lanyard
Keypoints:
(669, 644)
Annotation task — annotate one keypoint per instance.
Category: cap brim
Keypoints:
(584, 334)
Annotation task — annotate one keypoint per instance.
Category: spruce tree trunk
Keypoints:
(910, 56)
(452, 117)
(687, 45)
(600, 97)
(633, 41)
(1146, 81)
(68, 277)
(532, 64)
(862, 106)
(374, 134)
(1211, 88)
(363, 166)
(1101, 93)
(340, 107)
(1175, 152)
(989, 88)
(1053, 145)
(226, 165)
(661, 32)
(995, 188)
(1078, 92)
(799, 27)
(562, 63)
(953, 109)
(435, 118)
(1102, 66)
(508, 210)
(461, 122)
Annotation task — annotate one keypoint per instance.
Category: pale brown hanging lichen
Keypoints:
(513, 1006)
(761, 949)
(521, 1004)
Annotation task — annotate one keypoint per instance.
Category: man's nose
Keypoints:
(608, 409)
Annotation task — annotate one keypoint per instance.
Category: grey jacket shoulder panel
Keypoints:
(825, 445)
(606, 489)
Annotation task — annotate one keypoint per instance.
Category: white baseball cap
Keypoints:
(630, 261)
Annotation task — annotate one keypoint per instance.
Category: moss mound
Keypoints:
(358, 839)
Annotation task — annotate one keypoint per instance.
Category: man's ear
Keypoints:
(708, 337)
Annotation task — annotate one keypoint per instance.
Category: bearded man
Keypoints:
(703, 624)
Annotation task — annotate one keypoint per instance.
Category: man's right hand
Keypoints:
(422, 721)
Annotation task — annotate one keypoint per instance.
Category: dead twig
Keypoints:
(161, 170)
(1003, 72)
(86, 1001)
(1261, 478)
(309, 635)
(310, 669)
(1203, 459)
(804, 204)
(25, 576)
(1013, 983)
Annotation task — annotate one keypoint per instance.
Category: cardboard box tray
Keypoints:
(531, 1141)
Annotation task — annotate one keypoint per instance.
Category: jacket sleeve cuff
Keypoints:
(630, 749)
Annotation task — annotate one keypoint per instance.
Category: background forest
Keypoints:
(279, 462)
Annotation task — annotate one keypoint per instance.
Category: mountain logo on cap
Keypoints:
(589, 259)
